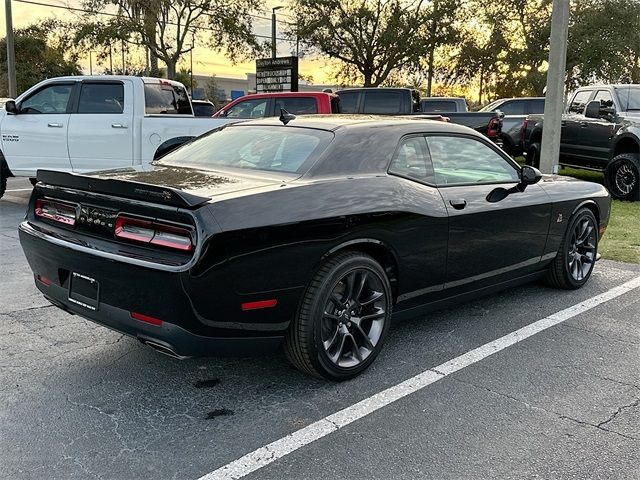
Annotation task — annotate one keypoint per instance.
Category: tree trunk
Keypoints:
(481, 84)
(154, 70)
(430, 72)
(171, 69)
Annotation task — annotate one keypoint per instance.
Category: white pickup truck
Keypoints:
(87, 123)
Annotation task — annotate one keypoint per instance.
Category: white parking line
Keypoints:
(270, 453)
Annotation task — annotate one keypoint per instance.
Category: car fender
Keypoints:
(625, 133)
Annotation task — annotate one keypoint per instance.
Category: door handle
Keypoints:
(118, 125)
(458, 203)
(54, 125)
(584, 124)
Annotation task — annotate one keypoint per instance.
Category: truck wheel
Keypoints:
(343, 318)
(577, 254)
(533, 155)
(622, 176)
(3, 182)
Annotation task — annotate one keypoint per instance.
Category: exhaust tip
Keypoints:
(164, 349)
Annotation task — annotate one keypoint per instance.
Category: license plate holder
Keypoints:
(84, 291)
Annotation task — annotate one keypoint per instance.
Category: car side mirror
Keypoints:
(529, 175)
(10, 107)
(593, 109)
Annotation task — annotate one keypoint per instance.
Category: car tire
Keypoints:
(343, 318)
(533, 155)
(577, 254)
(622, 176)
(3, 182)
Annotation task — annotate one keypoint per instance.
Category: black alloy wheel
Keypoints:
(577, 254)
(622, 176)
(354, 317)
(343, 318)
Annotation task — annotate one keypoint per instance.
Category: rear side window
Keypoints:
(438, 106)
(101, 98)
(534, 107)
(297, 105)
(412, 160)
(381, 102)
(348, 102)
(579, 101)
(166, 99)
(513, 108)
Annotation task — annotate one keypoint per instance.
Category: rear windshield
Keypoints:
(439, 106)
(269, 148)
(166, 99)
(203, 109)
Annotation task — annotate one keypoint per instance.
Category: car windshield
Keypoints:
(269, 148)
(629, 97)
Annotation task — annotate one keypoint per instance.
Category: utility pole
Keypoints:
(124, 66)
(193, 43)
(110, 60)
(90, 63)
(11, 52)
(273, 31)
(554, 97)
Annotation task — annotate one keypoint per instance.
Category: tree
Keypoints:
(213, 93)
(184, 77)
(168, 28)
(38, 56)
(370, 38)
(604, 42)
(441, 31)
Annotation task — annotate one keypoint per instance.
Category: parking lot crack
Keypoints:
(599, 426)
(618, 411)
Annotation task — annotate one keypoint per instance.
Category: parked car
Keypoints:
(262, 105)
(515, 112)
(600, 131)
(405, 101)
(443, 104)
(203, 108)
(309, 233)
(80, 124)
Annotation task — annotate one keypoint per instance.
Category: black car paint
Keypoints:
(262, 237)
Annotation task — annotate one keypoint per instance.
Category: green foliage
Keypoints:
(184, 77)
(170, 28)
(213, 94)
(604, 42)
(370, 39)
(38, 56)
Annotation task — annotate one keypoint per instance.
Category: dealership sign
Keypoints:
(277, 74)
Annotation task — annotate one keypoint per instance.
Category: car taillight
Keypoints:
(153, 233)
(57, 211)
(494, 128)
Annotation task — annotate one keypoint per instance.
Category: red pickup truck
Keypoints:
(269, 105)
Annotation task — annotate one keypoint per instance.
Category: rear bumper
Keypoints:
(172, 337)
(126, 288)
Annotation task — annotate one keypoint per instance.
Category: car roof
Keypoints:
(340, 122)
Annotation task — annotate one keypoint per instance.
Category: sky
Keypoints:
(205, 61)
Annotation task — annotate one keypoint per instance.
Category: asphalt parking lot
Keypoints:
(80, 401)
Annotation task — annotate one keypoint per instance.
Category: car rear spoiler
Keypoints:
(122, 188)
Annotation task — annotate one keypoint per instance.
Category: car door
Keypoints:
(36, 137)
(488, 242)
(575, 127)
(101, 126)
(600, 130)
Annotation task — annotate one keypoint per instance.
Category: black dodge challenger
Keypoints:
(305, 231)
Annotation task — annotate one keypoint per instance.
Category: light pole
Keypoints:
(554, 97)
(193, 43)
(11, 53)
(273, 30)
(90, 62)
